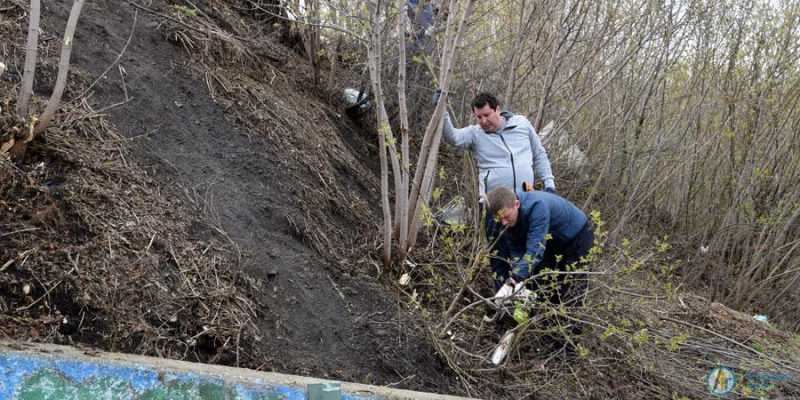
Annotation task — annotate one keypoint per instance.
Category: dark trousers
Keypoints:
(567, 288)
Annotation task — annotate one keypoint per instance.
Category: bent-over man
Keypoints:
(543, 231)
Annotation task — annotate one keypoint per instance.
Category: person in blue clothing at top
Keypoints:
(506, 148)
(422, 14)
(544, 232)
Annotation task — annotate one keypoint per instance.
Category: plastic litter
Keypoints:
(760, 318)
(518, 297)
(454, 214)
(521, 314)
(575, 157)
(405, 279)
(351, 96)
(546, 130)
(501, 351)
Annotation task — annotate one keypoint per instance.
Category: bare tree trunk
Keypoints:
(427, 162)
(314, 34)
(336, 20)
(310, 34)
(390, 141)
(373, 51)
(387, 141)
(335, 63)
(401, 202)
(63, 69)
(24, 100)
(515, 51)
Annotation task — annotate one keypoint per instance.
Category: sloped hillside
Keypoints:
(197, 200)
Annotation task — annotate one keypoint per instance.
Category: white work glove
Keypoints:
(508, 294)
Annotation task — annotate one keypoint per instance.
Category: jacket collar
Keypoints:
(505, 126)
(521, 227)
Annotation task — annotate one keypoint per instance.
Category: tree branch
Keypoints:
(63, 69)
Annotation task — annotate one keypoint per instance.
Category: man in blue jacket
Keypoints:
(544, 232)
(506, 148)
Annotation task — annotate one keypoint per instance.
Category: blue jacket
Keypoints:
(419, 15)
(506, 157)
(540, 213)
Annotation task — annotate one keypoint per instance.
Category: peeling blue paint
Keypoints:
(29, 376)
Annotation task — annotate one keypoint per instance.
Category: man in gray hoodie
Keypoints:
(506, 148)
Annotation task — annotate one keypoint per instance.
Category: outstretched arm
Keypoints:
(461, 138)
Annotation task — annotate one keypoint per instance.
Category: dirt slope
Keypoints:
(236, 162)
(314, 319)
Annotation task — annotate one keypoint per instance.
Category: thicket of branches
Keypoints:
(687, 113)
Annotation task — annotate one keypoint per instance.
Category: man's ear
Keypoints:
(516, 203)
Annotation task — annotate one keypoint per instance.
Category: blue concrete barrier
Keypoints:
(42, 371)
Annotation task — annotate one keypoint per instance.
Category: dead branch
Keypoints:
(116, 60)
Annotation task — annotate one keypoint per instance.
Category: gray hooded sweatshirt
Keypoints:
(506, 157)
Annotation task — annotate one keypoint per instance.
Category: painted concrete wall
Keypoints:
(38, 378)
(40, 371)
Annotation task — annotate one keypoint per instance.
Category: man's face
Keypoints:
(508, 215)
(490, 120)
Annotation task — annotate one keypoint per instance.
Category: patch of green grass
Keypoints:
(189, 12)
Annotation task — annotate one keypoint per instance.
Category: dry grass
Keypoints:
(94, 252)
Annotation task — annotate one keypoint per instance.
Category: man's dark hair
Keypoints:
(483, 99)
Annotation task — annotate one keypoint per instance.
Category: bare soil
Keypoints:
(202, 201)
(271, 175)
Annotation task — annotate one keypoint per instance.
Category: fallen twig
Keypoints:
(19, 231)
(336, 287)
(119, 56)
(167, 17)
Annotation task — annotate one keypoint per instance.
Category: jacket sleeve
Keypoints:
(461, 138)
(540, 160)
(538, 226)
